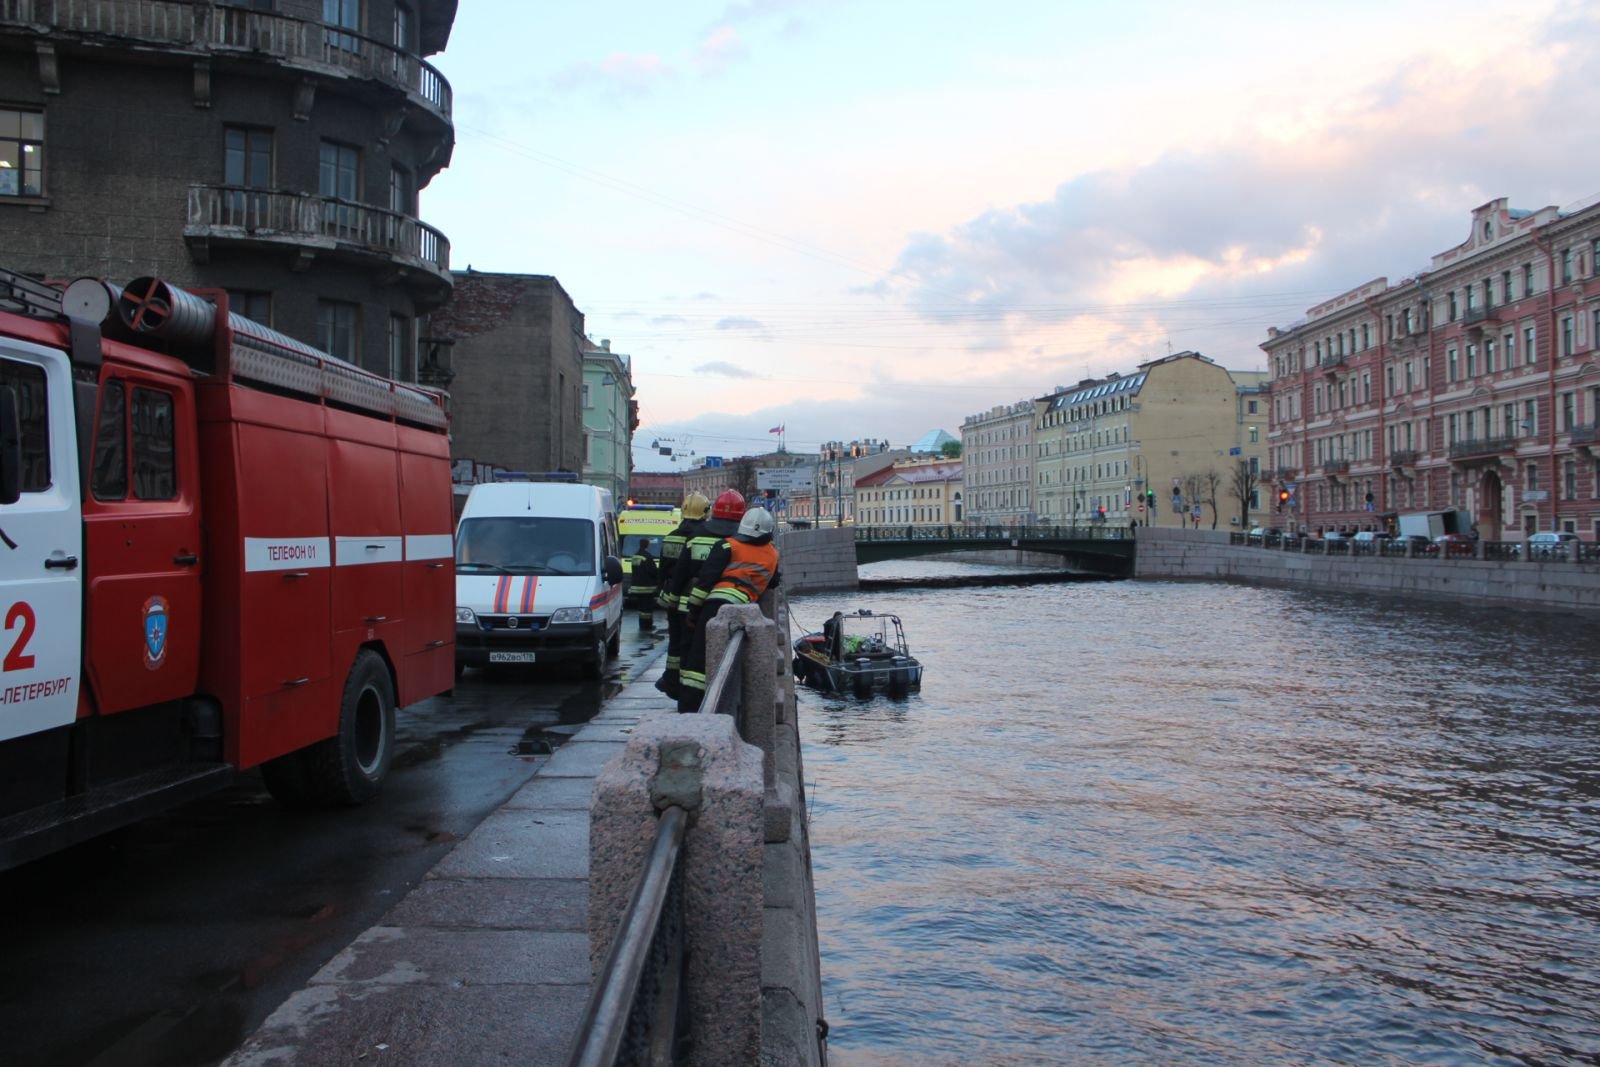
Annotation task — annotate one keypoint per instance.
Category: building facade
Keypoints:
(610, 415)
(997, 465)
(517, 347)
(911, 492)
(1149, 447)
(656, 487)
(274, 150)
(1474, 385)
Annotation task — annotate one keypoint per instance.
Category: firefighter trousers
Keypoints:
(692, 671)
(669, 677)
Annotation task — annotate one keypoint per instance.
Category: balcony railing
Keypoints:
(1403, 457)
(1334, 364)
(1477, 316)
(1336, 466)
(227, 211)
(221, 28)
(1482, 446)
(1586, 433)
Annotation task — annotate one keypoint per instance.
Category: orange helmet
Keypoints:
(729, 505)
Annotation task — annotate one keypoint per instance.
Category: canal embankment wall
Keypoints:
(1209, 555)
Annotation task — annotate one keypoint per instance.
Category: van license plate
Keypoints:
(513, 657)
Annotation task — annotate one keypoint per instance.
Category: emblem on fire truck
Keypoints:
(155, 632)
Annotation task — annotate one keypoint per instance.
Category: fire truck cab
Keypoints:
(219, 549)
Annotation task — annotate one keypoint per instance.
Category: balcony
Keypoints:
(311, 225)
(1586, 434)
(1335, 467)
(1479, 316)
(1282, 474)
(212, 29)
(1482, 448)
(1404, 457)
(1333, 366)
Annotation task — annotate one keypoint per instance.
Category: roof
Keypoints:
(916, 474)
(1109, 387)
(933, 441)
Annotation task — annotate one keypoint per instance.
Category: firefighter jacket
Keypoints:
(737, 571)
(673, 547)
(693, 557)
(646, 577)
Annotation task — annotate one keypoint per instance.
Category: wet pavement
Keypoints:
(170, 941)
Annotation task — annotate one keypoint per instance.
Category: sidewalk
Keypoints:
(487, 960)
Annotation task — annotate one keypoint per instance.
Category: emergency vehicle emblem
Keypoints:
(155, 632)
(511, 623)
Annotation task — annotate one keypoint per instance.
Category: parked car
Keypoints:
(1454, 544)
(1420, 545)
(1367, 536)
(1551, 544)
(1335, 535)
(1257, 535)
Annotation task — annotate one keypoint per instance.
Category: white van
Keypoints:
(537, 575)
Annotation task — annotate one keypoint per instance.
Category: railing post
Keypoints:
(760, 695)
(699, 763)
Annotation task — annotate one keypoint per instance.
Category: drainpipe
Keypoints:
(1550, 301)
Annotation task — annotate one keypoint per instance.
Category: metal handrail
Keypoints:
(718, 681)
(609, 1015)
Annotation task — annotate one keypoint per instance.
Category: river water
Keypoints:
(1150, 822)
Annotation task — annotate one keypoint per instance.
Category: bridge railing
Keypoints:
(999, 534)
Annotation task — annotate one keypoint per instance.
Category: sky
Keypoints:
(868, 219)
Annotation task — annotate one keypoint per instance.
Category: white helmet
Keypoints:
(757, 522)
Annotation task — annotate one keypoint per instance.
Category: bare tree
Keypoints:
(1191, 496)
(1211, 481)
(1245, 481)
(742, 478)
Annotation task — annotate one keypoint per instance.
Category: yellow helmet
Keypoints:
(695, 506)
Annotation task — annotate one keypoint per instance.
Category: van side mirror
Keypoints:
(10, 447)
(612, 571)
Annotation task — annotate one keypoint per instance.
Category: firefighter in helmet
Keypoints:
(646, 581)
(726, 511)
(737, 571)
(693, 523)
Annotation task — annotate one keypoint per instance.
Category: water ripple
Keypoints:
(1184, 823)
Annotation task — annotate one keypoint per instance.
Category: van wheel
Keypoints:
(614, 646)
(595, 665)
(349, 767)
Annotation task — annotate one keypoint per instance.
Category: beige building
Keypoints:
(922, 492)
(1150, 447)
(997, 465)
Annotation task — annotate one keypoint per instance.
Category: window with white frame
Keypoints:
(21, 152)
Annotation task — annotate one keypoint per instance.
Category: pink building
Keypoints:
(1474, 385)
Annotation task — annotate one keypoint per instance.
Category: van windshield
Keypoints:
(525, 545)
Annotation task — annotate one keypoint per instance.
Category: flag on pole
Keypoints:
(776, 429)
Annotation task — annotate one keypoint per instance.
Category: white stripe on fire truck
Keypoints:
(430, 546)
(358, 551)
(285, 553)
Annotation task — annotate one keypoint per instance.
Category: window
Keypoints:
(1530, 417)
(1251, 405)
(1566, 266)
(253, 304)
(246, 164)
(400, 348)
(28, 382)
(1255, 435)
(1453, 311)
(399, 204)
(141, 431)
(337, 329)
(1505, 287)
(21, 152)
(588, 401)
(339, 178)
(345, 14)
(1488, 355)
(1450, 365)
(1569, 410)
(1569, 479)
(150, 445)
(1527, 345)
(1472, 360)
(1527, 279)
(1566, 335)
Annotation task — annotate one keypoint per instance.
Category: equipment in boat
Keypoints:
(860, 652)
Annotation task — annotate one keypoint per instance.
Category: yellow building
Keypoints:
(924, 492)
(1150, 447)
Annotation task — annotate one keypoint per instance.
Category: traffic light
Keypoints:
(1283, 498)
(1150, 498)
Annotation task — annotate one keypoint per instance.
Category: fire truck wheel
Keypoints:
(348, 767)
(287, 781)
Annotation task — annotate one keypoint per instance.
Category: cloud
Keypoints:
(618, 74)
(739, 322)
(720, 48)
(666, 320)
(725, 370)
(1254, 226)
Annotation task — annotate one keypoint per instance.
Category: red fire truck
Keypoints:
(219, 549)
